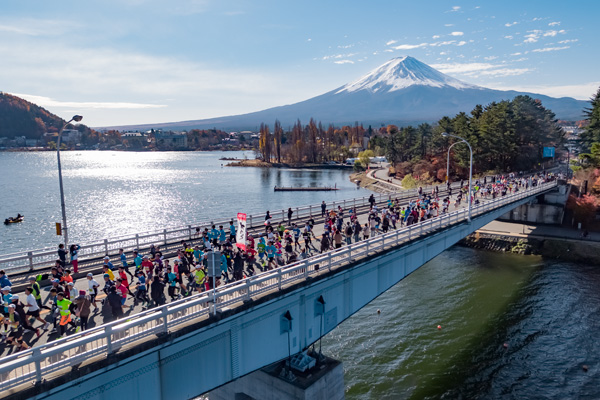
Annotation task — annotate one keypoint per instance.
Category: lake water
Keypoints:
(546, 312)
(116, 193)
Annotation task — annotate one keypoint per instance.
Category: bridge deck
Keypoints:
(120, 338)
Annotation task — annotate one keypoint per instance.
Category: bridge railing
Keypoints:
(42, 258)
(32, 365)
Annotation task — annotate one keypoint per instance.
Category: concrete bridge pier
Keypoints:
(325, 381)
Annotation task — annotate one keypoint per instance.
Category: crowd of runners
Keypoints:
(151, 278)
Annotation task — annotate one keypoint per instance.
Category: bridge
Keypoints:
(194, 345)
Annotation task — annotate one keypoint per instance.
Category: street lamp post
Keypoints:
(75, 118)
(445, 134)
(448, 162)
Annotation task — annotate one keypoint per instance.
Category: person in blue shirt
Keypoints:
(214, 236)
(198, 254)
(224, 272)
(142, 289)
(4, 281)
(137, 259)
(231, 232)
(222, 236)
(297, 233)
(172, 281)
(271, 250)
(6, 298)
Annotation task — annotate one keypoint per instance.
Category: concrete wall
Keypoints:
(536, 214)
(213, 355)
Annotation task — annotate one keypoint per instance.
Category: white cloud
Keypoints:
(554, 24)
(391, 42)
(446, 43)
(533, 37)
(410, 46)
(49, 102)
(546, 49)
(436, 37)
(569, 41)
(461, 43)
(344, 62)
(581, 91)
(457, 34)
(448, 25)
(309, 40)
(454, 9)
(516, 54)
(508, 37)
(509, 24)
(490, 58)
(387, 51)
(479, 69)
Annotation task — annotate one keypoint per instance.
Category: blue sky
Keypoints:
(142, 61)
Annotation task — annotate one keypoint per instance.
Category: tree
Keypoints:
(408, 182)
(277, 132)
(365, 157)
(265, 143)
(591, 132)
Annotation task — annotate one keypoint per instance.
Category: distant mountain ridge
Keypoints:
(402, 91)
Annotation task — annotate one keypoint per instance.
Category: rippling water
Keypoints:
(116, 193)
(547, 313)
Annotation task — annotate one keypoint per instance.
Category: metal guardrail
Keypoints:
(29, 261)
(32, 365)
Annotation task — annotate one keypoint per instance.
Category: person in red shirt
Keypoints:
(123, 276)
(121, 288)
(148, 266)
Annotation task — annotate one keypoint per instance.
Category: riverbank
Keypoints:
(263, 164)
(363, 180)
(550, 242)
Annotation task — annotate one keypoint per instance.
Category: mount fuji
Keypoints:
(402, 91)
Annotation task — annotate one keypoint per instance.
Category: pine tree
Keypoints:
(591, 134)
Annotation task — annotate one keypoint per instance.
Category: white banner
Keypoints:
(240, 235)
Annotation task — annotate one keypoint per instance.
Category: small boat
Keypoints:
(11, 220)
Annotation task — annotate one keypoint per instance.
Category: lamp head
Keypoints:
(444, 134)
(77, 118)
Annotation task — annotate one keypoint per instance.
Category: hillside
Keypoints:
(19, 117)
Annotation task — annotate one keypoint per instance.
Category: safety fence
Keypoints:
(171, 237)
(33, 365)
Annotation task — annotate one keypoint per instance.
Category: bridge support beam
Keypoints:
(325, 381)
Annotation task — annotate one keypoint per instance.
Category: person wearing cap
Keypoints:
(92, 289)
(34, 307)
(36, 291)
(71, 292)
(6, 298)
(107, 263)
(15, 334)
(4, 281)
(63, 305)
(108, 283)
(142, 290)
(20, 309)
(82, 310)
(56, 286)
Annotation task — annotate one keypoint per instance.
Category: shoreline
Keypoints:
(555, 247)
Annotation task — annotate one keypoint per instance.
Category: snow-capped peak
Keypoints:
(400, 73)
